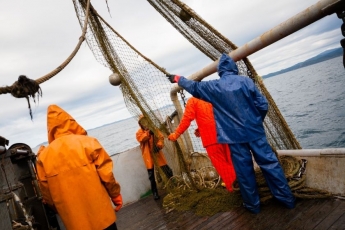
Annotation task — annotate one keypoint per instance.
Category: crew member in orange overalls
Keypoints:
(152, 144)
(201, 111)
(75, 175)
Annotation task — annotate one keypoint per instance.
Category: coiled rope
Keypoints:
(208, 202)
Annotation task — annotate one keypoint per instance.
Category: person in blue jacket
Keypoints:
(239, 110)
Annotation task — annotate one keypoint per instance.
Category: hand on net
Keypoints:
(159, 146)
(173, 136)
(173, 78)
(197, 133)
(117, 201)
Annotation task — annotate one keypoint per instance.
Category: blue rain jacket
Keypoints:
(239, 107)
(239, 110)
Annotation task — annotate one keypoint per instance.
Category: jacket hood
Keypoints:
(141, 117)
(60, 123)
(143, 122)
(226, 65)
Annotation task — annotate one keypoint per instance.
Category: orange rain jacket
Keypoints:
(146, 145)
(76, 174)
(202, 112)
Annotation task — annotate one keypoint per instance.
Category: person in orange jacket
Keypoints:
(202, 112)
(152, 144)
(75, 175)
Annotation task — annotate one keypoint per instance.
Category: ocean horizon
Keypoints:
(311, 99)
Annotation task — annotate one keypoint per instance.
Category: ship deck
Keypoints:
(308, 214)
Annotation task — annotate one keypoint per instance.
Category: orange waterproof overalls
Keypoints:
(202, 112)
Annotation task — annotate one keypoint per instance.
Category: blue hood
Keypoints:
(226, 65)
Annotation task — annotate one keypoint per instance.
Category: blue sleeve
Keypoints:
(260, 103)
(202, 90)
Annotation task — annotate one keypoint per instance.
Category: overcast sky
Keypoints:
(38, 35)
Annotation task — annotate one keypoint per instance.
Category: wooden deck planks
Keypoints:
(316, 214)
(334, 215)
(217, 220)
(263, 220)
(303, 220)
(291, 215)
(340, 223)
(309, 214)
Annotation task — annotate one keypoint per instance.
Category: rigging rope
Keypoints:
(26, 87)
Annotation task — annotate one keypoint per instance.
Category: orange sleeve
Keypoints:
(42, 180)
(104, 167)
(160, 141)
(187, 118)
(143, 135)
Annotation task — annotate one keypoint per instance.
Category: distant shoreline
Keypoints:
(324, 56)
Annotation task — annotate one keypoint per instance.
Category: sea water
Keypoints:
(118, 136)
(311, 99)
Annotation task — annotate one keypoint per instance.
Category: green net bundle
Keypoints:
(195, 185)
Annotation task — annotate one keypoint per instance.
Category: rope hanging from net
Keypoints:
(26, 88)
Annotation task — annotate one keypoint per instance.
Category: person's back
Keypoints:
(202, 112)
(219, 154)
(241, 101)
(240, 110)
(75, 174)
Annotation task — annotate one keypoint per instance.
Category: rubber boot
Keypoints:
(153, 184)
(167, 170)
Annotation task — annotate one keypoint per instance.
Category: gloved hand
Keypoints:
(174, 136)
(117, 201)
(197, 133)
(159, 146)
(173, 78)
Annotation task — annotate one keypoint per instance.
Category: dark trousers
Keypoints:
(167, 170)
(51, 215)
(152, 180)
(270, 167)
(112, 227)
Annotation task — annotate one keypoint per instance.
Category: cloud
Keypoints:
(37, 36)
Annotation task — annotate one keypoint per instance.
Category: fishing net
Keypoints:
(213, 44)
(207, 202)
(146, 92)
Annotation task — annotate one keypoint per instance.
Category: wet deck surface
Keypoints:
(319, 214)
